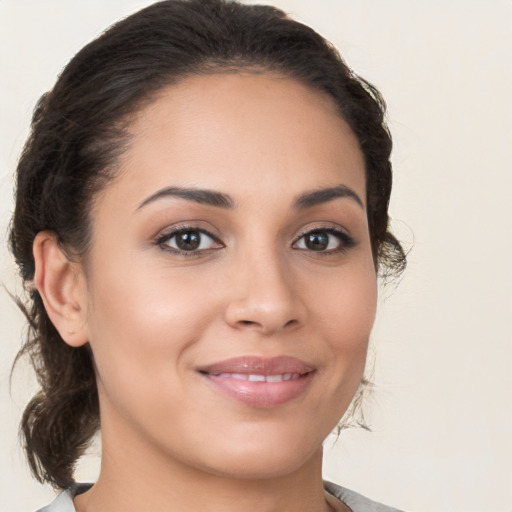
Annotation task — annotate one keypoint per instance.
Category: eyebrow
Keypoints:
(220, 200)
(202, 196)
(316, 197)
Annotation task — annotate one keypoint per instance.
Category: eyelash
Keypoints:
(345, 241)
(166, 237)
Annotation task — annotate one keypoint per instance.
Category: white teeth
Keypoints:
(259, 378)
(256, 378)
(274, 378)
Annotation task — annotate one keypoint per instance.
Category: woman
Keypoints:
(201, 215)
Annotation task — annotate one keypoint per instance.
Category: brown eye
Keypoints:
(317, 241)
(327, 240)
(188, 240)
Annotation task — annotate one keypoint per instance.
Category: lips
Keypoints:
(256, 377)
(260, 382)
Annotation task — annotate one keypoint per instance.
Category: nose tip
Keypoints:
(265, 302)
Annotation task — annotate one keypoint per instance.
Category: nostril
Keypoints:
(250, 323)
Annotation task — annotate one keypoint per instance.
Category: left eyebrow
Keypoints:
(202, 196)
(316, 197)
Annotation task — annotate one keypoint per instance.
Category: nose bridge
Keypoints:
(264, 296)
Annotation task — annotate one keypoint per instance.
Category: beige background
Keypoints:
(442, 408)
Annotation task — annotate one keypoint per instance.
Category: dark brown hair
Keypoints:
(78, 133)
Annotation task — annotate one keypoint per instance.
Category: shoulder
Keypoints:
(64, 501)
(355, 501)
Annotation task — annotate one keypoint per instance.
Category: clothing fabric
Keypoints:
(355, 501)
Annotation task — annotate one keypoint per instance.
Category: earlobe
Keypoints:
(61, 284)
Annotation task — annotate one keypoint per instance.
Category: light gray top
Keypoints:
(356, 502)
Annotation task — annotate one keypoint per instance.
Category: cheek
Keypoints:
(141, 337)
(141, 323)
(347, 307)
(346, 314)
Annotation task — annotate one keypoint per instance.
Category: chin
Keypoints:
(272, 457)
(261, 468)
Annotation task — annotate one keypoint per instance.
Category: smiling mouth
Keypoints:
(260, 382)
(251, 377)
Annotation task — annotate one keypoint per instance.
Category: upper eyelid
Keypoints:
(171, 231)
(167, 233)
(325, 227)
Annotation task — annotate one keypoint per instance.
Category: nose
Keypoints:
(264, 297)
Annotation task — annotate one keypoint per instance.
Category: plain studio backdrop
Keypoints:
(441, 410)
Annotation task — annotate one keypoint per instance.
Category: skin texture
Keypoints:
(153, 316)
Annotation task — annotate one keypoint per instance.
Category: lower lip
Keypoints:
(264, 395)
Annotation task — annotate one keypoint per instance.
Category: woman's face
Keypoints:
(231, 288)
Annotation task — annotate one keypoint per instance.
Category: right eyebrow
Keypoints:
(202, 196)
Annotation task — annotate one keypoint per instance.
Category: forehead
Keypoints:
(231, 131)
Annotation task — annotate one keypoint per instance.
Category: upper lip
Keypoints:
(258, 365)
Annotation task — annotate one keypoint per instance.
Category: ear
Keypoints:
(61, 284)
